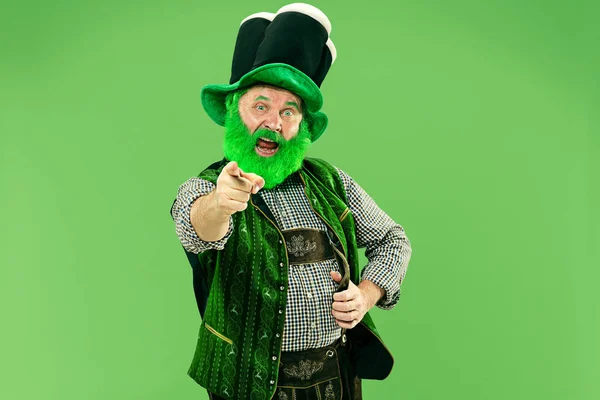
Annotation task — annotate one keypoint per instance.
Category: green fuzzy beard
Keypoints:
(239, 145)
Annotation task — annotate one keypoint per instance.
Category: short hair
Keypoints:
(233, 98)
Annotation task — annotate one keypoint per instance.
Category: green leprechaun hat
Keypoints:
(290, 49)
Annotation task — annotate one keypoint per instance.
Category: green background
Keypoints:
(473, 124)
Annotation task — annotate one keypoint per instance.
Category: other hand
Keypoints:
(350, 306)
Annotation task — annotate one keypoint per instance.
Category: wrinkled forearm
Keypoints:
(209, 225)
(372, 292)
(188, 193)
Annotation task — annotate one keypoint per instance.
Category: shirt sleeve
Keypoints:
(188, 192)
(388, 249)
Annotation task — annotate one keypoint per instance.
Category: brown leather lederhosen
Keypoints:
(317, 374)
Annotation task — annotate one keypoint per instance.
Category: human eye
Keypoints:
(260, 107)
(288, 113)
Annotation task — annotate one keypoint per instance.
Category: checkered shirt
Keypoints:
(309, 323)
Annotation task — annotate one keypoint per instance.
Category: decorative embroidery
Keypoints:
(304, 370)
(329, 393)
(298, 247)
(282, 395)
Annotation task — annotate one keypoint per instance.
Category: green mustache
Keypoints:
(239, 145)
(269, 134)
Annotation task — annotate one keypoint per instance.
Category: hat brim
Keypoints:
(281, 75)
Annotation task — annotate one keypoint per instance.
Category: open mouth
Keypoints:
(266, 147)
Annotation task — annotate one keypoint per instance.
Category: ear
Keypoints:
(229, 102)
(232, 101)
(308, 121)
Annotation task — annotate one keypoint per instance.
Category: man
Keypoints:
(272, 236)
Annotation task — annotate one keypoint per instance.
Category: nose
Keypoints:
(273, 122)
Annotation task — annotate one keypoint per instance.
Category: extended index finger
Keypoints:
(233, 169)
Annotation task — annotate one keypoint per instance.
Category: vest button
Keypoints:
(277, 335)
(281, 264)
(281, 287)
(272, 382)
(274, 358)
(280, 312)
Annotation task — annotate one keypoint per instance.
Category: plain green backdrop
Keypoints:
(474, 124)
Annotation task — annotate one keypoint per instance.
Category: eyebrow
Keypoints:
(293, 103)
(289, 103)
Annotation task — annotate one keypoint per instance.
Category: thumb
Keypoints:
(258, 181)
(336, 276)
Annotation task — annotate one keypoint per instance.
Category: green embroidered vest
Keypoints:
(239, 341)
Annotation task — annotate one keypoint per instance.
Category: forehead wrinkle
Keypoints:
(277, 89)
